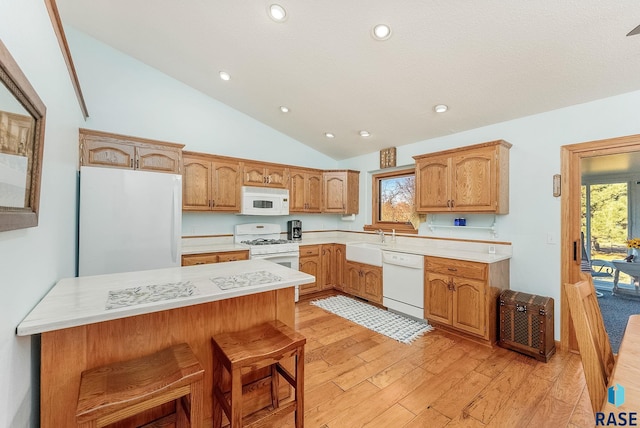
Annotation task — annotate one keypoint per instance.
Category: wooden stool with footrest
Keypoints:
(266, 345)
(120, 390)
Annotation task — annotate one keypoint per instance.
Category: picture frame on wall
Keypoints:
(388, 157)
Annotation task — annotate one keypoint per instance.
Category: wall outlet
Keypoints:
(492, 249)
(551, 240)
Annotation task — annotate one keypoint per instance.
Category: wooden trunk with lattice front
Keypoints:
(526, 324)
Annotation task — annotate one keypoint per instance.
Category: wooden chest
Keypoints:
(526, 324)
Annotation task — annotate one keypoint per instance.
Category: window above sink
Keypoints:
(393, 208)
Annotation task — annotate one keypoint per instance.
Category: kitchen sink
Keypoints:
(365, 252)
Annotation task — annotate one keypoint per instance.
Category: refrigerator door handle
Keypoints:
(175, 218)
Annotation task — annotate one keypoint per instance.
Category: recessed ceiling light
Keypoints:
(277, 13)
(284, 109)
(440, 108)
(329, 135)
(364, 133)
(224, 75)
(381, 32)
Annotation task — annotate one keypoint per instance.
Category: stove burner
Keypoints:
(262, 241)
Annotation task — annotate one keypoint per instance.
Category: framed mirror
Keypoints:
(22, 121)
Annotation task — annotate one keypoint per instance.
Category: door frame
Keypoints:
(570, 156)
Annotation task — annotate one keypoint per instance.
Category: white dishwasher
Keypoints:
(403, 283)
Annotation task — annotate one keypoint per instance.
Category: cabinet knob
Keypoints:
(452, 269)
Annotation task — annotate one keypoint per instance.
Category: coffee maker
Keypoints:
(294, 230)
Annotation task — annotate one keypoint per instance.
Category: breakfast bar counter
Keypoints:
(92, 321)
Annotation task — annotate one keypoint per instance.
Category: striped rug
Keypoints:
(390, 324)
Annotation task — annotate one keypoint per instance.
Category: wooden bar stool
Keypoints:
(265, 345)
(117, 391)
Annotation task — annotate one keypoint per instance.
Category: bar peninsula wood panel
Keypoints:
(67, 352)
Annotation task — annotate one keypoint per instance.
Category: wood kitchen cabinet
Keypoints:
(310, 263)
(219, 257)
(210, 183)
(305, 190)
(463, 295)
(327, 264)
(364, 281)
(468, 179)
(340, 254)
(265, 175)
(341, 192)
(108, 150)
(332, 257)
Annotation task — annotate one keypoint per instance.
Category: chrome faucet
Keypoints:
(381, 233)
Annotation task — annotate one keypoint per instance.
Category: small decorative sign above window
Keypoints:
(388, 157)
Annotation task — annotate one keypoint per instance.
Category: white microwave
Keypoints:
(264, 201)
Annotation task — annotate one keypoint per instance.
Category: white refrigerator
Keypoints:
(129, 220)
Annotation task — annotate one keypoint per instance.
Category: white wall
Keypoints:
(32, 260)
(534, 159)
(126, 96)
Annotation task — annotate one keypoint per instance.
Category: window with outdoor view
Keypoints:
(393, 200)
(605, 219)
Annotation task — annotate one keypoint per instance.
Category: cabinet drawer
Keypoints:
(309, 250)
(199, 259)
(233, 256)
(473, 270)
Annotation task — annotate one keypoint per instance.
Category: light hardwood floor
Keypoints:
(357, 378)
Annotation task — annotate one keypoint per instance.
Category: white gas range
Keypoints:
(265, 243)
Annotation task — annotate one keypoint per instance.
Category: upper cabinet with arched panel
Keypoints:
(471, 179)
(108, 150)
(22, 122)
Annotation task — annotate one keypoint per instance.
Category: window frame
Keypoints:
(387, 226)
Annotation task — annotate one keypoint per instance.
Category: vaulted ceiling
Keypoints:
(489, 61)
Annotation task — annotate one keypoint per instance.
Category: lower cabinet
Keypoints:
(463, 295)
(207, 258)
(340, 254)
(327, 265)
(233, 256)
(363, 281)
(310, 263)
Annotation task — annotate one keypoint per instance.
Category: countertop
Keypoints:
(213, 248)
(73, 302)
(457, 250)
(448, 253)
